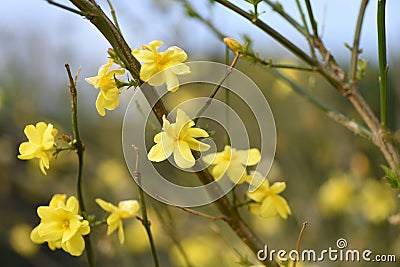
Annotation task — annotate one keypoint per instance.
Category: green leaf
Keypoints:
(391, 177)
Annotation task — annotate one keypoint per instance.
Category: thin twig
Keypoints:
(300, 238)
(70, 9)
(203, 215)
(383, 67)
(355, 50)
(216, 89)
(114, 15)
(145, 221)
(312, 18)
(79, 147)
(308, 35)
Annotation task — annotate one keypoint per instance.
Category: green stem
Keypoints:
(355, 50)
(65, 7)
(114, 15)
(383, 67)
(311, 17)
(79, 147)
(308, 35)
(145, 220)
(270, 64)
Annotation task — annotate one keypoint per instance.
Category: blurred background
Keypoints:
(334, 179)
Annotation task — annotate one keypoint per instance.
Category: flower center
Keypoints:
(66, 224)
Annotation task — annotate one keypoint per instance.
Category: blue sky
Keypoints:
(27, 26)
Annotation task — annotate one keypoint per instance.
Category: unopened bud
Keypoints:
(233, 45)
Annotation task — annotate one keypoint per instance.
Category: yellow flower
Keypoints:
(161, 67)
(233, 162)
(109, 92)
(126, 209)
(61, 225)
(40, 144)
(336, 196)
(268, 202)
(378, 201)
(178, 138)
(233, 45)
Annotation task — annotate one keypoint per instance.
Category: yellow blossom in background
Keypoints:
(109, 92)
(40, 144)
(377, 201)
(233, 162)
(161, 67)
(126, 209)
(335, 196)
(20, 241)
(233, 45)
(178, 138)
(268, 202)
(61, 225)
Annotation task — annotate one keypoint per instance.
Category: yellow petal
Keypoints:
(121, 235)
(183, 155)
(128, 208)
(171, 80)
(159, 152)
(150, 73)
(236, 173)
(100, 103)
(113, 222)
(249, 157)
(268, 208)
(180, 69)
(197, 133)
(107, 206)
(27, 150)
(282, 206)
(58, 200)
(258, 195)
(209, 158)
(278, 187)
(32, 134)
(196, 144)
(35, 237)
(75, 245)
(72, 205)
(219, 169)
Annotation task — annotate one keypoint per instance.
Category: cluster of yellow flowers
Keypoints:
(343, 194)
(179, 139)
(61, 223)
(158, 68)
(61, 226)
